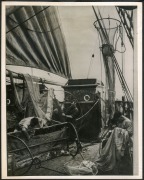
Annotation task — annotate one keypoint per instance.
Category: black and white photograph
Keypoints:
(71, 90)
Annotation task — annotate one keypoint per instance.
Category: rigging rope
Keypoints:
(106, 40)
(122, 43)
(122, 83)
(32, 30)
(90, 65)
(27, 19)
(88, 111)
(125, 24)
(122, 78)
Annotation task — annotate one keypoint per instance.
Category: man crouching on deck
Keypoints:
(116, 153)
(29, 123)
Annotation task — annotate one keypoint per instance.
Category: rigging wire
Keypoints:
(100, 56)
(104, 28)
(122, 83)
(116, 64)
(127, 29)
(90, 65)
(122, 78)
(32, 30)
(27, 19)
(105, 38)
(122, 43)
(92, 58)
(121, 50)
(109, 25)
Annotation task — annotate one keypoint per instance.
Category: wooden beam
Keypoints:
(35, 79)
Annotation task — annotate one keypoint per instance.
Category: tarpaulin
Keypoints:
(113, 150)
(41, 106)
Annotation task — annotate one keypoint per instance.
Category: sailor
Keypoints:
(58, 115)
(29, 123)
(117, 150)
(71, 113)
(123, 122)
(58, 111)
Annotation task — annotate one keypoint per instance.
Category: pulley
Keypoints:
(107, 50)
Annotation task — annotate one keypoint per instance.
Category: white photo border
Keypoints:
(138, 116)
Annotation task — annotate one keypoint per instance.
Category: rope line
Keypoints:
(32, 30)
(122, 77)
(100, 25)
(27, 20)
(87, 111)
(90, 66)
(127, 28)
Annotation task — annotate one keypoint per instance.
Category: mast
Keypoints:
(107, 50)
(107, 28)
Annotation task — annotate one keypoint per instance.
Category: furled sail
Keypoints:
(34, 39)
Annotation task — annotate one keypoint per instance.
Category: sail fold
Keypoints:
(34, 39)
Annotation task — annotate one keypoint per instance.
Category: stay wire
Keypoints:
(104, 27)
(100, 56)
(119, 72)
(32, 30)
(122, 83)
(120, 36)
(90, 66)
(100, 26)
(27, 19)
(123, 20)
(122, 78)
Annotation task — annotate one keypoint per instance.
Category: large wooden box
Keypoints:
(84, 92)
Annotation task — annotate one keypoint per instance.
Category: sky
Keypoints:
(82, 41)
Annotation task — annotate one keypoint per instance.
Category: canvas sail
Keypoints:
(34, 39)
